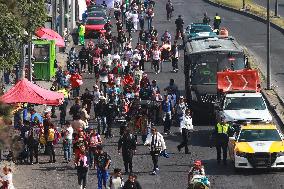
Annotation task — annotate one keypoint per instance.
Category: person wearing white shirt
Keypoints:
(67, 142)
(135, 20)
(157, 144)
(185, 127)
(116, 56)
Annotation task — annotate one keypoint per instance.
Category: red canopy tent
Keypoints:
(26, 92)
(49, 34)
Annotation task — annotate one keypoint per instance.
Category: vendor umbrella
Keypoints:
(49, 34)
(27, 92)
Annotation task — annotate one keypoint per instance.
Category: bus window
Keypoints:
(204, 69)
(232, 61)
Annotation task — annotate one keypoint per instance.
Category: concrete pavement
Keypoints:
(173, 171)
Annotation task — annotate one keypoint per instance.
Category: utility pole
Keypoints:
(30, 76)
(23, 62)
(67, 14)
(244, 4)
(54, 15)
(276, 8)
(268, 47)
(72, 18)
(62, 17)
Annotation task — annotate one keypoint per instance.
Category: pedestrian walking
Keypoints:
(179, 27)
(94, 141)
(175, 56)
(7, 179)
(67, 141)
(132, 182)
(157, 144)
(87, 99)
(75, 110)
(167, 109)
(141, 17)
(116, 180)
(102, 163)
(101, 112)
(185, 127)
(127, 144)
(169, 9)
(150, 15)
(33, 143)
(217, 22)
(135, 20)
(81, 164)
(50, 145)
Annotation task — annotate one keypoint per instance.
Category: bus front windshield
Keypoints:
(204, 67)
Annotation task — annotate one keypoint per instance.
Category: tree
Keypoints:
(18, 17)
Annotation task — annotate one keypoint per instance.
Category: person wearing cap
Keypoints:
(132, 182)
(116, 180)
(157, 144)
(221, 132)
(197, 169)
(185, 127)
(128, 145)
(102, 161)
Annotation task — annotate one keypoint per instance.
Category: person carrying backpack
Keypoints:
(50, 146)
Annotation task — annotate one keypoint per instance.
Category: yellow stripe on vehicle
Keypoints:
(244, 147)
(277, 146)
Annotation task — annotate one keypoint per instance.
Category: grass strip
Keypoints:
(252, 8)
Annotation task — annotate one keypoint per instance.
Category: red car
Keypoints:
(94, 26)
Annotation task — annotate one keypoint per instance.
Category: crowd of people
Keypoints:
(122, 94)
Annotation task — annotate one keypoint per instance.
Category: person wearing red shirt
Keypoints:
(76, 81)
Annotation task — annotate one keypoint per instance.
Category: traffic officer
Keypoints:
(128, 145)
(221, 132)
(217, 22)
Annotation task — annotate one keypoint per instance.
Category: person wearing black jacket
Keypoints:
(119, 25)
(83, 57)
(87, 98)
(101, 112)
(75, 110)
(179, 26)
(127, 144)
(132, 183)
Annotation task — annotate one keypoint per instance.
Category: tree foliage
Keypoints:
(18, 17)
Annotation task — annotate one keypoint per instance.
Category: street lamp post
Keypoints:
(276, 8)
(268, 47)
(30, 76)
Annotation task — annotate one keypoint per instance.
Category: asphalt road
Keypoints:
(272, 5)
(173, 171)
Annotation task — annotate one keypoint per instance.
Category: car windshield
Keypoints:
(205, 65)
(97, 14)
(247, 135)
(95, 21)
(198, 29)
(238, 103)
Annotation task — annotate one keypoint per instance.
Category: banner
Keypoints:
(246, 80)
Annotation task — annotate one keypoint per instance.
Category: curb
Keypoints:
(248, 14)
(275, 111)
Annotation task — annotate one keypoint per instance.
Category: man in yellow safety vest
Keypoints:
(217, 22)
(222, 130)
